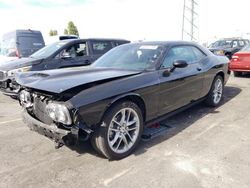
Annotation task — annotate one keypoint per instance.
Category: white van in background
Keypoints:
(20, 43)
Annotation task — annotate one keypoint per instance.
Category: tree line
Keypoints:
(70, 30)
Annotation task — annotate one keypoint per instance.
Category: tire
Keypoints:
(237, 74)
(215, 94)
(118, 135)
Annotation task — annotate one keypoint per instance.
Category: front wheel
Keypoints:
(215, 94)
(120, 131)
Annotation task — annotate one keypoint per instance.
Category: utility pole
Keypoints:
(190, 30)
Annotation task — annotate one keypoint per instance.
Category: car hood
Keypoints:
(18, 63)
(57, 81)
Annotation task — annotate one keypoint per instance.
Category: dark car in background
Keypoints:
(20, 43)
(240, 62)
(228, 46)
(112, 100)
(61, 54)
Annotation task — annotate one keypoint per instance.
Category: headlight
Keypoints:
(219, 52)
(59, 113)
(25, 99)
(12, 72)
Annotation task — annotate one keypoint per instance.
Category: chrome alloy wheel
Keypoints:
(123, 130)
(217, 92)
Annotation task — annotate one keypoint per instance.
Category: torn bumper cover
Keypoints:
(60, 136)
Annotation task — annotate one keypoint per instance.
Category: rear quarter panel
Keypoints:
(212, 66)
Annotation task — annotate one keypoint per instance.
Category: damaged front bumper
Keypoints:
(10, 88)
(60, 136)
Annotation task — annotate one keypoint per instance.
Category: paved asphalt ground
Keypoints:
(204, 148)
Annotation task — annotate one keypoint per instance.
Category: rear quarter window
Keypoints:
(101, 47)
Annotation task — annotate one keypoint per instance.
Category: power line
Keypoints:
(190, 29)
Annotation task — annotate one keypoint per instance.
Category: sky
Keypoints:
(128, 19)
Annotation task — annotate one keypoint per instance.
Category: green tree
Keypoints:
(72, 29)
(66, 32)
(53, 32)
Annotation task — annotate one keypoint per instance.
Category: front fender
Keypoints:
(92, 114)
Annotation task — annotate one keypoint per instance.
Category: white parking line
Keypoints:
(14, 120)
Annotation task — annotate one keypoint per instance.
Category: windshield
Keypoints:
(48, 50)
(131, 56)
(246, 48)
(8, 46)
(221, 43)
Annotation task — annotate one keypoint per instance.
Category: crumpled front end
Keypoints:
(44, 116)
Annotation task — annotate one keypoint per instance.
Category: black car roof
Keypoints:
(97, 39)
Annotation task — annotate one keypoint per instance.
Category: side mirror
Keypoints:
(179, 64)
(65, 55)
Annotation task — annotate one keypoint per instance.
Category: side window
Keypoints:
(117, 43)
(198, 53)
(241, 43)
(101, 47)
(75, 50)
(179, 53)
(235, 44)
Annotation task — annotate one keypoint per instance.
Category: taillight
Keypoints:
(235, 58)
(17, 53)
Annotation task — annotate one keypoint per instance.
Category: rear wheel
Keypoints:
(215, 94)
(120, 131)
(237, 74)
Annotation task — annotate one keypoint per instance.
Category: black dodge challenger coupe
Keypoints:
(130, 87)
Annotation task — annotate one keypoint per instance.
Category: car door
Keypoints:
(182, 85)
(75, 55)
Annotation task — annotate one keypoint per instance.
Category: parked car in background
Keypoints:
(228, 46)
(62, 54)
(240, 62)
(129, 87)
(20, 43)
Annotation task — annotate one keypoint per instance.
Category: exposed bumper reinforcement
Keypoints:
(60, 136)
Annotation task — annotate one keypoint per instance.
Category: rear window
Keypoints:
(241, 43)
(101, 47)
(30, 42)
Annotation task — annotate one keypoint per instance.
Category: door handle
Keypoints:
(199, 69)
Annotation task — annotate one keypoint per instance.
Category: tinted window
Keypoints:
(188, 53)
(198, 53)
(241, 43)
(27, 42)
(246, 48)
(117, 43)
(75, 50)
(246, 41)
(101, 47)
(235, 44)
